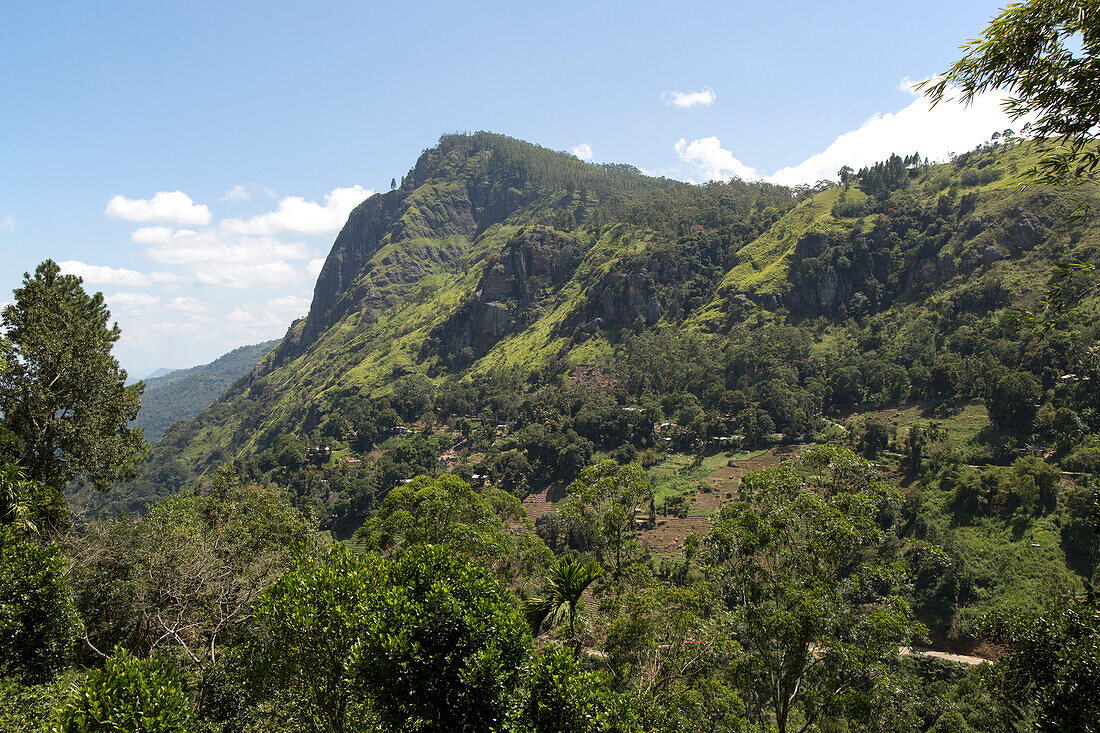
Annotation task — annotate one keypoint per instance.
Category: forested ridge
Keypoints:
(565, 447)
(183, 393)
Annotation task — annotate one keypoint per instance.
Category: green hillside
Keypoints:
(513, 313)
(183, 393)
(735, 399)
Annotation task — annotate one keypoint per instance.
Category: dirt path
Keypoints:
(946, 656)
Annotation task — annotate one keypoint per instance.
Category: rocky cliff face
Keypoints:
(443, 196)
(534, 264)
(357, 242)
(619, 299)
(829, 272)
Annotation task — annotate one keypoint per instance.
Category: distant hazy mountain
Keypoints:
(179, 394)
(162, 371)
(155, 374)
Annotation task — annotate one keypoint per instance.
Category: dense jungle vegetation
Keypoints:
(564, 447)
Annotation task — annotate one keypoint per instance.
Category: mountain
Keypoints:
(179, 394)
(511, 312)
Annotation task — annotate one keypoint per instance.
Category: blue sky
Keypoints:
(261, 124)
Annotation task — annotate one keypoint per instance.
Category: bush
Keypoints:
(128, 694)
(562, 698)
(446, 645)
(38, 623)
(849, 209)
(29, 708)
(1085, 456)
(429, 642)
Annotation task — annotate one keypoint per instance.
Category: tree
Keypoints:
(447, 511)
(428, 642)
(185, 576)
(38, 623)
(818, 617)
(564, 698)
(393, 184)
(875, 438)
(1053, 660)
(129, 695)
(609, 496)
(1012, 402)
(755, 424)
(62, 393)
(309, 626)
(1029, 51)
(566, 585)
(445, 645)
(672, 647)
(846, 174)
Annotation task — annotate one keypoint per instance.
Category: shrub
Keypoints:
(38, 623)
(128, 694)
(446, 645)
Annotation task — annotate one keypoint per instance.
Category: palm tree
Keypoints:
(567, 583)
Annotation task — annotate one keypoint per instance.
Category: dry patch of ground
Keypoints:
(722, 482)
(670, 531)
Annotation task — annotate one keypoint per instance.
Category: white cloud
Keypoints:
(295, 215)
(909, 86)
(712, 161)
(190, 306)
(140, 303)
(219, 258)
(153, 235)
(245, 191)
(185, 247)
(169, 207)
(245, 253)
(7, 222)
(583, 151)
(103, 275)
(917, 128)
(935, 133)
(275, 274)
(703, 97)
(267, 319)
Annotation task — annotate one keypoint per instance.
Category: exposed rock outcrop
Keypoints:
(1024, 233)
(822, 288)
(441, 197)
(534, 263)
(619, 299)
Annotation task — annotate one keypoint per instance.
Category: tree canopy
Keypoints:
(1045, 54)
(62, 393)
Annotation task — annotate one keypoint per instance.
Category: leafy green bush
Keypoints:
(445, 647)
(29, 708)
(308, 627)
(128, 694)
(563, 698)
(38, 623)
(430, 642)
(1085, 458)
